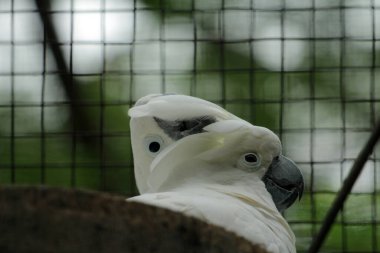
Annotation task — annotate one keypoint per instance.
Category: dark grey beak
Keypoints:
(284, 182)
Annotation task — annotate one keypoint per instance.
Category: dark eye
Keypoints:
(153, 144)
(250, 161)
(154, 147)
(251, 158)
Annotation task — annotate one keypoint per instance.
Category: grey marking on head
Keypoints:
(178, 129)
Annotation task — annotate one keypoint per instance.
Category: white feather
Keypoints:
(227, 126)
(176, 107)
(198, 175)
(180, 152)
(248, 214)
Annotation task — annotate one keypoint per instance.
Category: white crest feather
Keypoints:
(174, 107)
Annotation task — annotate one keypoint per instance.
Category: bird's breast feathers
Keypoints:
(239, 213)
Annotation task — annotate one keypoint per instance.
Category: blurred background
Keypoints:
(308, 70)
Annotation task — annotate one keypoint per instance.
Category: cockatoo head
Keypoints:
(257, 151)
(165, 127)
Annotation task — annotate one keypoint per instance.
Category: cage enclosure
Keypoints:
(308, 70)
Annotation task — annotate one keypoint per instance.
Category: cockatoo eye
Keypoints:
(153, 144)
(250, 161)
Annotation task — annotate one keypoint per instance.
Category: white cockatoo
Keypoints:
(194, 157)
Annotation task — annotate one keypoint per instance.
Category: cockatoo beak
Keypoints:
(284, 182)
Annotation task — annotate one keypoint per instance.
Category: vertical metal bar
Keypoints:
(195, 48)
(222, 55)
(282, 67)
(13, 109)
(42, 119)
(342, 74)
(251, 65)
(102, 165)
(346, 189)
(162, 42)
(74, 131)
(133, 189)
(373, 119)
(312, 120)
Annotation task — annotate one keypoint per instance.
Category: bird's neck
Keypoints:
(224, 180)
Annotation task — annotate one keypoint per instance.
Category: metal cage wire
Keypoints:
(69, 71)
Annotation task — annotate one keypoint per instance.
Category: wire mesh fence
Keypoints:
(307, 70)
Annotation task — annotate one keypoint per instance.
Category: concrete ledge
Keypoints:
(43, 219)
